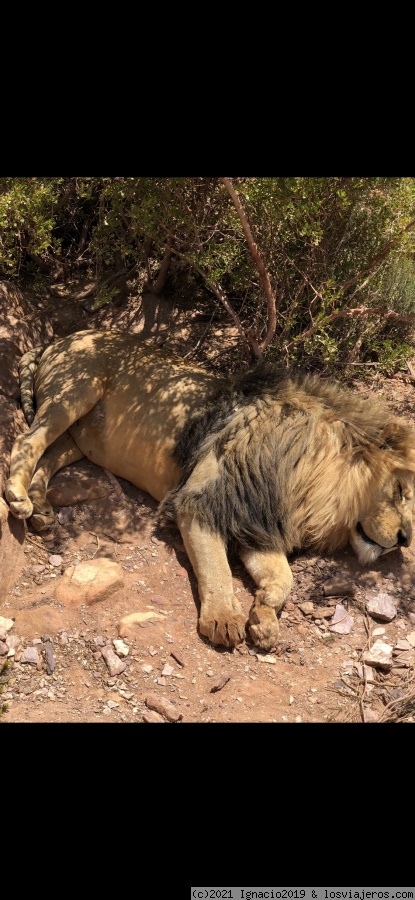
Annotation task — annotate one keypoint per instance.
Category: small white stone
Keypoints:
(120, 647)
(380, 655)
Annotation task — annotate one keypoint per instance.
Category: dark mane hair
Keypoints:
(297, 459)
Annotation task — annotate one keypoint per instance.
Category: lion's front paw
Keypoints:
(223, 625)
(19, 502)
(263, 627)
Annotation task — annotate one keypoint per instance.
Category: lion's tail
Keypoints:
(27, 368)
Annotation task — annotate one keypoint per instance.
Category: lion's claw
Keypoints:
(227, 628)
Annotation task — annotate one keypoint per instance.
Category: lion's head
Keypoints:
(387, 523)
(298, 462)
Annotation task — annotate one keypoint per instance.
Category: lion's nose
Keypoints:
(404, 537)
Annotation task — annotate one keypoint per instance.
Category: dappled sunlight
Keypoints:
(123, 402)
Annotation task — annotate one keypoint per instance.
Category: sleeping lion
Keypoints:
(266, 464)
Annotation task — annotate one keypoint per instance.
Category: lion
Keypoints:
(265, 463)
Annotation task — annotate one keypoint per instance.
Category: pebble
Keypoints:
(381, 606)
(152, 716)
(49, 657)
(322, 612)
(307, 608)
(220, 684)
(55, 560)
(341, 622)
(120, 647)
(380, 655)
(30, 656)
(164, 707)
(167, 669)
(402, 644)
(114, 663)
(371, 715)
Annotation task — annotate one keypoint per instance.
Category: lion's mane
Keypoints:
(299, 461)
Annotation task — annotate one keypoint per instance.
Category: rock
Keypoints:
(307, 608)
(411, 638)
(120, 648)
(379, 656)
(220, 684)
(341, 622)
(55, 560)
(7, 624)
(371, 715)
(89, 582)
(267, 658)
(402, 644)
(381, 606)
(159, 601)
(4, 649)
(13, 641)
(322, 612)
(167, 669)
(163, 706)
(378, 631)
(114, 663)
(366, 672)
(128, 625)
(153, 716)
(30, 656)
(49, 657)
(406, 658)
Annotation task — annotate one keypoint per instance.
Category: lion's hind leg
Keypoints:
(272, 574)
(54, 416)
(61, 453)
(221, 617)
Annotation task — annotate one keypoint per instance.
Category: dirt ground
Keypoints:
(169, 671)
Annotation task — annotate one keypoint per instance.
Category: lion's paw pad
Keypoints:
(263, 627)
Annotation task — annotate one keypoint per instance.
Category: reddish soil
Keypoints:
(312, 676)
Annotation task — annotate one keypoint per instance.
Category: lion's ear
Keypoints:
(400, 438)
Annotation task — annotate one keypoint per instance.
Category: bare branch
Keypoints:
(263, 274)
(247, 339)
